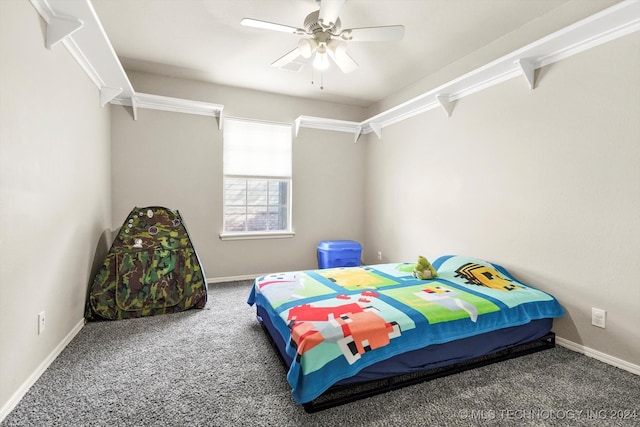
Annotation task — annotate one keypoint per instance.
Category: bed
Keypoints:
(338, 329)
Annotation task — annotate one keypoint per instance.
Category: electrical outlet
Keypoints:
(379, 255)
(598, 317)
(41, 322)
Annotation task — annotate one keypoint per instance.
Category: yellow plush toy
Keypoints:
(423, 269)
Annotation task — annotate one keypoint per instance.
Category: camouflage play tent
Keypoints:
(152, 268)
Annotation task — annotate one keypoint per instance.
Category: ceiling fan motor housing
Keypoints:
(312, 24)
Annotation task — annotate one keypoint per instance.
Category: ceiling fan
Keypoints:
(325, 38)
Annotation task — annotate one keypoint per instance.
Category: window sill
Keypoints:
(257, 235)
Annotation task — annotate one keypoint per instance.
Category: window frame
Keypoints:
(262, 234)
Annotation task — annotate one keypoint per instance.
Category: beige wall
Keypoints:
(544, 182)
(175, 160)
(54, 193)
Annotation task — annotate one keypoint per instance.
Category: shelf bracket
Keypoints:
(59, 27)
(528, 70)
(377, 129)
(297, 123)
(358, 132)
(219, 119)
(134, 107)
(445, 103)
(108, 93)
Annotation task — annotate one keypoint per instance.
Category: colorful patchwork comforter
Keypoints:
(338, 321)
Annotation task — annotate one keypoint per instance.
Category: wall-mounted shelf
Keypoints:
(328, 124)
(611, 23)
(76, 25)
(165, 103)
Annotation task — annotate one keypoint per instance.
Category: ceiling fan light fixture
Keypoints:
(321, 60)
(324, 38)
(338, 48)
(307, 47)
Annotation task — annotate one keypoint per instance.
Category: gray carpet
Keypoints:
(215, 367)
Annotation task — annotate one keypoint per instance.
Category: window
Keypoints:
(257, 179)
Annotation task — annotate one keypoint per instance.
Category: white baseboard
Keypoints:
(24, 388)
(232, 278)
(610, 360)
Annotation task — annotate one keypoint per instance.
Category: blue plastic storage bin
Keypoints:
(339, 253)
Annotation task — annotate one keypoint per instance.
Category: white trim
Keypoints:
(257, 235)
(322, 123)
(166, 103)
(214, 280)
(24, 388)
(246, 119)
(44, 9)
(603, 357)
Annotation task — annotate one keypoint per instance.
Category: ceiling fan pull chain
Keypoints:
(321, 80)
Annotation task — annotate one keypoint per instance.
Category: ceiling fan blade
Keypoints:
(329, 11)
(373, 34)
(343, 60)
(265, 25)
(286, 58)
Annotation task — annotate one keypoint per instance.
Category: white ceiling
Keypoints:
(203, 39)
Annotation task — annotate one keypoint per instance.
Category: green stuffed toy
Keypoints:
(423, 269)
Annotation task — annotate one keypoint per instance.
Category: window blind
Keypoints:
(256, 149)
